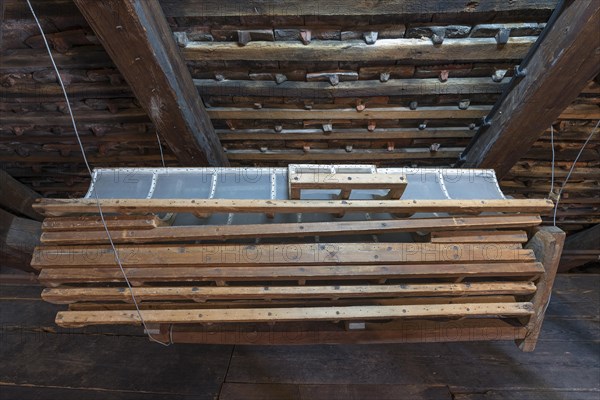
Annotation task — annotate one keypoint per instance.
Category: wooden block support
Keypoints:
(395, 183)
(547, 245)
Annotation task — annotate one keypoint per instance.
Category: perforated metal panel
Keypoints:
(272, 183)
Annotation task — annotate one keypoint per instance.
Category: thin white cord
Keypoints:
(162, 157)
(553, 159)
(117, 258)
(571, 170)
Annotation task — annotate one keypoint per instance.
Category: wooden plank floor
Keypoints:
(42, 361)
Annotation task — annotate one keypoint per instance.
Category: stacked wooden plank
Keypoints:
(469, 269)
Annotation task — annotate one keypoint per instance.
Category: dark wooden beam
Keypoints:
(395, 87)
(231, 8)
(136, 35)
(16, 197)
(18, 239)
(567, 58)
(581, 248)
(466, 49)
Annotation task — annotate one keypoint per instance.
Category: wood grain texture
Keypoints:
(157, 75)
(470, 49)
(547, 244)
(95, 233)
(83, 318)
(193, 8)
(61, 207)
(56, 276)
(570, 49)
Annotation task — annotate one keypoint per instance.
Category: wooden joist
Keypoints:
(94, 233)
(394, 87)
(469, 49)
(230, 8)
(83, 318)
(344, 134)
(204, 293)
(64, 207)
(232, 113)
(157, 75)
(343, 155)
(557, 70)
(465, 236)
(59, 276)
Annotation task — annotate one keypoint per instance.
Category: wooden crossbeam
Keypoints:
(557, 71)
(203, 293)
(338, 155)
(394, 87)
(227, 113)
(136, 35)
(83, 318)
(230, 8)
(123, 234)
(60, 207)
(344, 134)
(469, 49)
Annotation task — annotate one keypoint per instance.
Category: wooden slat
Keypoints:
(466, 236)
(72, 295)
(275, 254)
(157, 75)
(83, 318)
(210, 232)
(394, 87)
(399, 331)
(339, 155)
(232, 113)
(344, 134)
(287, 303)
(469, 49)
(60, 207)
(526, 270)
(539, 99)
(81, 224)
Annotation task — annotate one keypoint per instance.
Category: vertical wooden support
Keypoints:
(547, 245)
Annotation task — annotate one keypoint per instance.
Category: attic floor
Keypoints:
(39, 361)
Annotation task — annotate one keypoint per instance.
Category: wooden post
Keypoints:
(547, 245)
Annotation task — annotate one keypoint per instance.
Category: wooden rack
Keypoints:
(468, 276)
